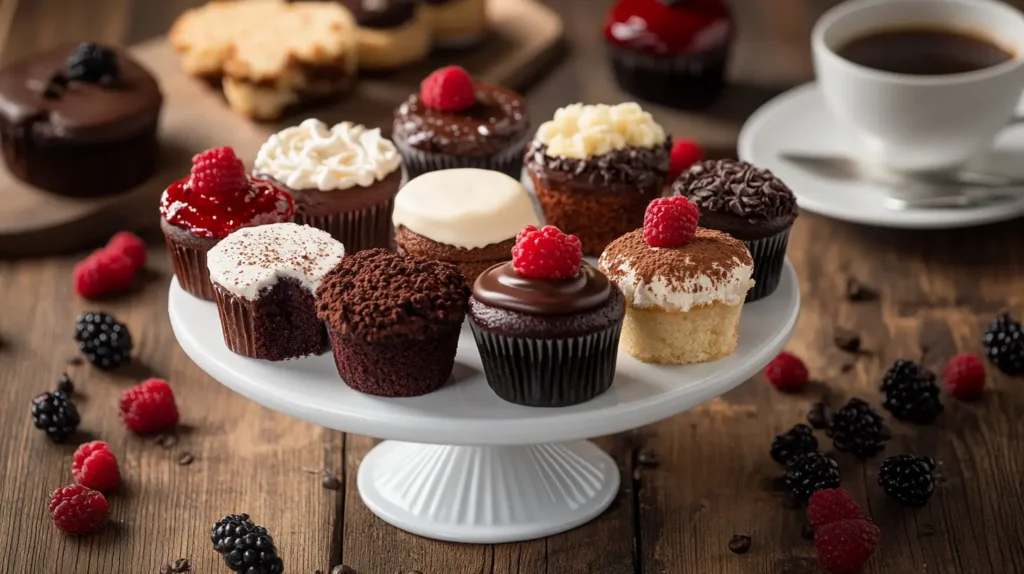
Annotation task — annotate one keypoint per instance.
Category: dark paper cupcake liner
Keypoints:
(549, 372)
(416, 162)
(259, 329)
(399, 367)
(237, 323)
(769, 257)
(684, 81)
(356, 230)
(190, 267)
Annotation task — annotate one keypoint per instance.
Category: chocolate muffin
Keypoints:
(393, 321)
(748, 203)
(548, 337)
(265, 280)
(595, 169)
(468, 217)
(456, 122)
(343, 179)
(392, 33)
(79, 121)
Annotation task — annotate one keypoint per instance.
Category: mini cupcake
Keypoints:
(344, 179)
(393, 321)
(392, 33)
(547, 325)
(595, 169)
(205, 207)
(456, 122)
(669, 51)
(457, 23)
(265, 280)
(749, 203)
(468, 217)
(684, 286)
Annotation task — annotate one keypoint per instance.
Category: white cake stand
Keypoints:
(465, 466)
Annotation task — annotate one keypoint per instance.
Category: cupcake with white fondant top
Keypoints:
(469, 217)
(265, 280)
(344, 179)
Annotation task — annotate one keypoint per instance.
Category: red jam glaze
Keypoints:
(669, 28)
(216, 217)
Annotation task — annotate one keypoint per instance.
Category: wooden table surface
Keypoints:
(713, 478)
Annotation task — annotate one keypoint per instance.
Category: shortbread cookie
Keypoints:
(271, 56)
(457, 23)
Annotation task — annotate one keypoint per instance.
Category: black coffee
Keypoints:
(924, 51)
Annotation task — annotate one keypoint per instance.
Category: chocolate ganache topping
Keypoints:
(639, 167)
(381, 13)
(500, 286)
(739, 188)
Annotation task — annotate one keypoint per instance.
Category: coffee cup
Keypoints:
(911, 120)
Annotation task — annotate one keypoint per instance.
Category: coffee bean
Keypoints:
(847, 341)
(166, 440)
(818, 416)
(186, 459)
(739, 543)
(857, 291)
(331, 482)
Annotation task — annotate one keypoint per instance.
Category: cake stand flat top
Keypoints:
(466, 411)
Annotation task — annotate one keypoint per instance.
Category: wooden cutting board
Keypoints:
(526, 37)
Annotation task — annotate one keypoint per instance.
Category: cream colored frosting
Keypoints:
(696, 291)
(467, 208)
(313, 156)
(582, 131)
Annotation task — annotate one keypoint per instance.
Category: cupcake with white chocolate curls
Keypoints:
(596, 167)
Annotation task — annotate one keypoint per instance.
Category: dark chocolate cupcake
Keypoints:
(393, 321)
(547, 326)
(79, 121)
(455, 122)
(748, 203)
(343, 178)
(595, 169)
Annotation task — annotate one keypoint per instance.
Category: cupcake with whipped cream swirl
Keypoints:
(343, 177)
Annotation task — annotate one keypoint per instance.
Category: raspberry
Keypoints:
(128, 244)
(844, 546)
(684, 154)
(546, 253)
(964, 376)
(104, 272)
(76, 509)
(218, 171)
(832, 505)
(149, 407)
(670, 222)
(786, 372)
(95, 467)
(449, 89)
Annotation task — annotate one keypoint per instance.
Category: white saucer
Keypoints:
(798, 121)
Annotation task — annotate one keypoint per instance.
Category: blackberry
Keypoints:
(809, 473)
(908, 479)
(246, 547)
(104, 342)
(911, 393)
(55, 414)
(91, 63)
(65, 385)
(1004, 343)
(856, 428)
(798, 440)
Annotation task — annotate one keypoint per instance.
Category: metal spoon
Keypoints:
(849, 169)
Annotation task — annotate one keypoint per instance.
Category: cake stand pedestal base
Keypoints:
(487, 494)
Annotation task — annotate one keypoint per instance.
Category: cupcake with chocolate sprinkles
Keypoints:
(393, 321)
(547, 324)
(748, 203)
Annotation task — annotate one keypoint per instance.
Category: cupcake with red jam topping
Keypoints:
(547, 324)
(218, 197)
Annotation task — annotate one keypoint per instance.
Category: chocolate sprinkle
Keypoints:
(739, 544)
(739, 188)
(640, 167)
(857, 291)
(847, 341)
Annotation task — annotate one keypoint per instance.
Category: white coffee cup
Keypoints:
(915, 123)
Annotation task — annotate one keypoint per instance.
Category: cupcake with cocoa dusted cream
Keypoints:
(344, 179)
(467, 217)
(748, 203)
(547, 325)
(217, 198)
(596, 167)
(454, 121)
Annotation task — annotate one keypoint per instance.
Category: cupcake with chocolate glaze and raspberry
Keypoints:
(79, 121)
(748, 203)
(547, 325)
(217, 198)
(596, 167)
(343, 178)
(393, 321)
(392, 33)
(672, 52)
(456, 122)
(684, 286)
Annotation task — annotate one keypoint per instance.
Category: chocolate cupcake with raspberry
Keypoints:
(456, 122)
(547, 325)
(393, 321)
(217, 198)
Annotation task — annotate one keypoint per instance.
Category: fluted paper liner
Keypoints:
(356, 230)
(237, 323)
(549, 372)
(769, 256)
(190, 267)
(508, 161)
